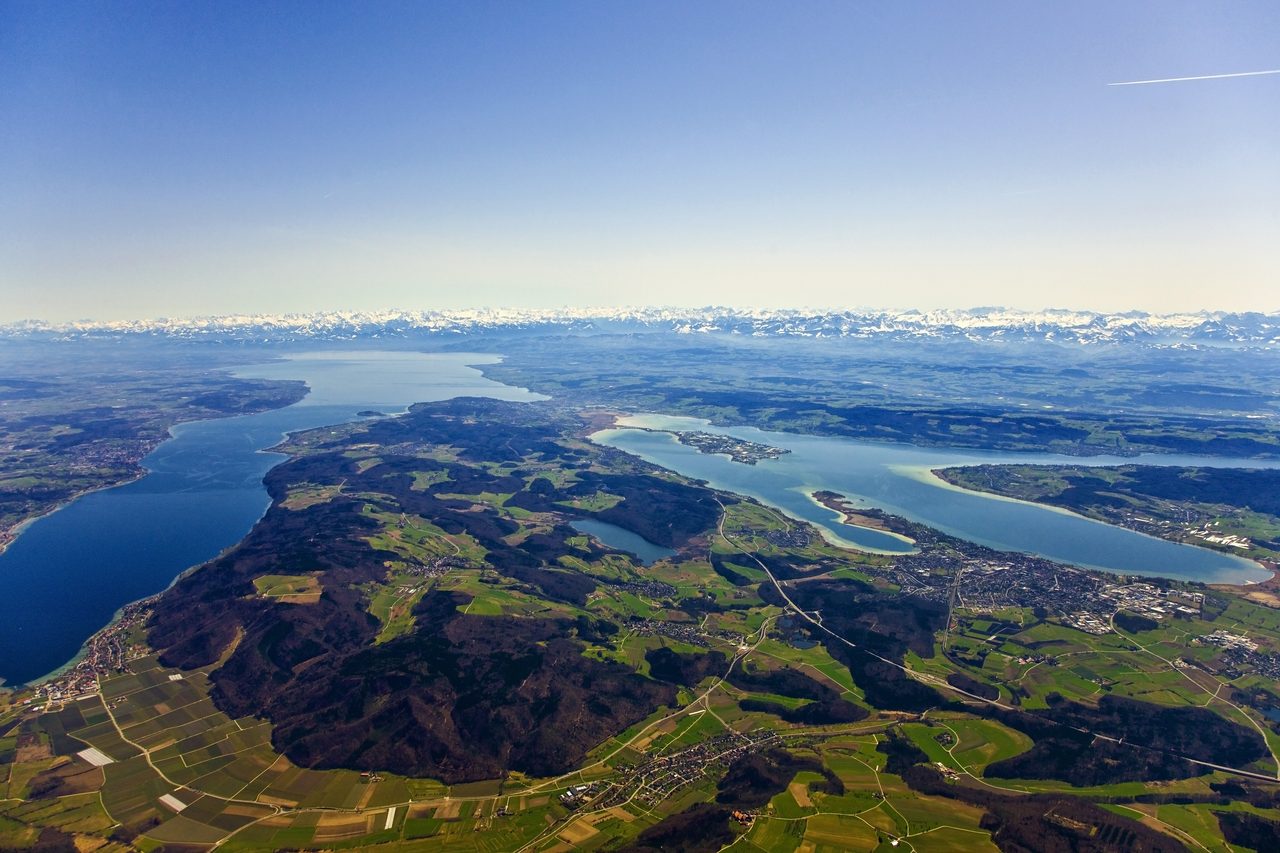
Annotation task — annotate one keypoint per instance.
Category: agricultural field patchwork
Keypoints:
(453, 666)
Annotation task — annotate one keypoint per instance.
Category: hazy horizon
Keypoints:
(802, 310)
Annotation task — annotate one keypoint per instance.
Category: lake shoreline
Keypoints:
(1266, 565)
(1266, 593)
(147, 447)
(13, 533)
(869, 519)
(899, 482)
(200, 493)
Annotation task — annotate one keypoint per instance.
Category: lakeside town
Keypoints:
(990, 581)
(106, 653)
(948, 569)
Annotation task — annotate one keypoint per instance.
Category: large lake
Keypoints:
(69, 572)
(896, 478)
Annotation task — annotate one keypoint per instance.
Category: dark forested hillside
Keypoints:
(457, 696)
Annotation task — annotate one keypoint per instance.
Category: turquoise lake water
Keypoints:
(896, 479)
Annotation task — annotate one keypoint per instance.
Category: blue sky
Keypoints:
(195, 158)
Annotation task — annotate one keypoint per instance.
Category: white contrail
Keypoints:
(1202, 77)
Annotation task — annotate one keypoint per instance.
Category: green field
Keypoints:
(167, 740)
(297, 589)
(182, 771)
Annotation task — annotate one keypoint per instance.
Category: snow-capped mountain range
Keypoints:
(977, 324)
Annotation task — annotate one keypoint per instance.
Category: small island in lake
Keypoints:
(737, 449)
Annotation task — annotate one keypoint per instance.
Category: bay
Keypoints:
(897, 479)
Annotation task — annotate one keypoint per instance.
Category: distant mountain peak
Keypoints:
(975, 324)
